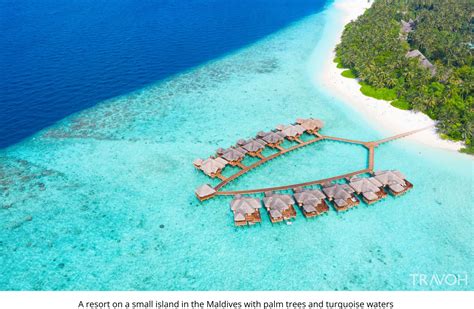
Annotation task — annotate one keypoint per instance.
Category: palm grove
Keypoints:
(418, 54)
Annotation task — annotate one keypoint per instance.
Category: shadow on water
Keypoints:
(58, 58)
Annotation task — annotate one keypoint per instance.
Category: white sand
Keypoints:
(389, 119)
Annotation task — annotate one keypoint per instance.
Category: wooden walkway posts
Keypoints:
(369, 169)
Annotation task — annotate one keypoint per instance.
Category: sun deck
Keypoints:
(391, 181)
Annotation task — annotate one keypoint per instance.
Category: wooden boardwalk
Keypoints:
(369, 169)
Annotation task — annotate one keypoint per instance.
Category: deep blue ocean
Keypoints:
(59, 57)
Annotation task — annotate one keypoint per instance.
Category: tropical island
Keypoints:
(419, 56)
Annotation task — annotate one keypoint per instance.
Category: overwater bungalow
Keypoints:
(292, 132)
(234, 156)
(211, 166)
(341, 195)
(394, 181)
(246, 210)
(204, 192)
(279, 206)
(369, 188)
(311, 125)
(311, 202)
(254, 147)
(220, 151)
(273, 139)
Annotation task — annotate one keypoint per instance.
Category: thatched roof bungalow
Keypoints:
(273, 139)
(407, 26)
(342, 196)
(370, 189)
(211, 167)
(234, 155)
(311, 202)
(246, 210)
(311, 125)
(254, 147)
(204, 192)
(279, 206)
(292, 132)
(394, 181)
(423, 60)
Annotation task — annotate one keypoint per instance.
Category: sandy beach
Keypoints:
(388, 118)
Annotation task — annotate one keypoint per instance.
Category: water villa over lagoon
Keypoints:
(311, 200)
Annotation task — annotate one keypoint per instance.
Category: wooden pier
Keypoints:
(371, 145)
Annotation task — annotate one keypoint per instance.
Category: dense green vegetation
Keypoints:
(374, 48)
(399, 103)
(378, 93)
(348, 74)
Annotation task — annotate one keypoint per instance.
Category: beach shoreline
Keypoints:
(390, 120)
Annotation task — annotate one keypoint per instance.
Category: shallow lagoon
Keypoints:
(104, 199)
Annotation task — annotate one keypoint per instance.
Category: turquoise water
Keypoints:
(104, 199)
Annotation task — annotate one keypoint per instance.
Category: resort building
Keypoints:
(254, 147)
(369, 188)
(311, 202)
(310, 125)
(246, 210)
(342, 196)
(292, 132)
(234, 155)
(211, 167)
(394, 181)
(279, 206)
(407, 26)
(423, 61)
(273, 139)
(204, 192)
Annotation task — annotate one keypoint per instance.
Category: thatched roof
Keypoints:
(423, 60)
(293, 130)
(306, 195)
(279, 202)
(238, 216)
(253, 145)
(309, 207)
(272, 137)
(342, 194)
(204, 190)
(335, 190)
(244, 201)
(340, 202)
(198, 162)
(241, 142)
(310, 123)
(370, 195)
(232, 154)
(390, 177)
(375, 182)
(245, 205)
(275, 213)
(361, 185)
(396, 187)
(211, 166)
(407, 27)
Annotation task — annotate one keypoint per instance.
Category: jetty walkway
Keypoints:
(214, 165)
